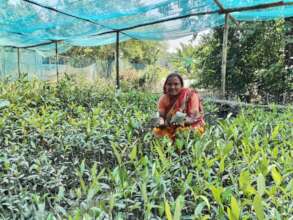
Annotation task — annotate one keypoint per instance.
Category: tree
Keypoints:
(142, 52)
(289, 42)
(255, 60)
(136, 52)
(184, 60)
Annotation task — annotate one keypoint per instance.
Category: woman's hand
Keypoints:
(158, 122)
(189, 121)
(161, 122)
(178, 119)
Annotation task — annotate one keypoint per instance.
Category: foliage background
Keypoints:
(256, 64)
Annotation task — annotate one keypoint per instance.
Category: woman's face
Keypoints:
(173, 86)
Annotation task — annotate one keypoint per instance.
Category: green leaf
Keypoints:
(60, 209)
(258, 207)
(94, 170)
(235, 209)
(277, 215)
(60, 193)
(289, 187)
(162, 156)
(263, 165)
(111, 203)
(82, 184)
(261, 184)
(178, 208)
(275, 152)
(216, 193)
(276, 176)
(4, 103)
(82, 167)
(222, 165)
(144, 192)
(133, 153)
(117, 154)
(245, 183)
(205, 199)
(227, 194)
(199, 209)
(91, 193)
(275, 131)
(227, 149)
(244, 180)
(168, 211)
(229, 213)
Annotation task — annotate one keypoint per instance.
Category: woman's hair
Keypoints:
(174, 74)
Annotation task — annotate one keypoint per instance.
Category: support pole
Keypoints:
(4, 62)
(18, 63)
(117, 61)
(36, 68)
(56, 60)
(220, 5)
(224, 58)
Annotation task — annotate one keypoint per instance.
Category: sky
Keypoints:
(174, 44)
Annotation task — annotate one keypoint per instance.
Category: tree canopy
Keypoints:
(255, 62)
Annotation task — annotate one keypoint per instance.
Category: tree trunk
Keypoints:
(109, 66)
(289, 42)
(288, 55)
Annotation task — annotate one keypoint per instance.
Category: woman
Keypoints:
(179, 109)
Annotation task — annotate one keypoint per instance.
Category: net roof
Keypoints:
(27, 23)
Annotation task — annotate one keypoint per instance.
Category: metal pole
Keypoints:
(56, 60)
(18, 63)
(224, 57)
(36, 68)
(4, 60)
(117, 61)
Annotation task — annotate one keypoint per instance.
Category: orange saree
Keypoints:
(188, 101)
